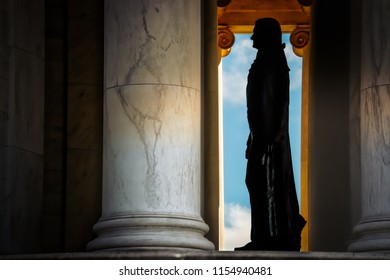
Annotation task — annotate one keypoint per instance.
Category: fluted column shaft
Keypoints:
(152, 135)
(373, 231)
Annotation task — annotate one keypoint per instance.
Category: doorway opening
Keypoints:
(235, 69)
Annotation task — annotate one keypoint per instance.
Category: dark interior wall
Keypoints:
(51, 102)
(4, 81)
(354, 112)
(53, 223)
(329, 181)
(74, 120)
(85, 121)
(21, 124)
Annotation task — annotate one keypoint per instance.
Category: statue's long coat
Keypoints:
(269, 177)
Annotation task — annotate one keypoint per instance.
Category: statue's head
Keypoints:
(266, 33)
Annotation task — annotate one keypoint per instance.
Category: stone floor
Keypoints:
(191, 255)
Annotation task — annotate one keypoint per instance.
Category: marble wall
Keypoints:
(74, 117)
(22, 120)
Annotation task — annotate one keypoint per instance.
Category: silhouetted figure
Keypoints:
(276, 222)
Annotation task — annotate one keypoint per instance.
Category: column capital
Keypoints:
(225, 39)
(299, 39)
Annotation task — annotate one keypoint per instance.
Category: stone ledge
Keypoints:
(204, 255)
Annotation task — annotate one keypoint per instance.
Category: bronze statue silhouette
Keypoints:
(275, 218)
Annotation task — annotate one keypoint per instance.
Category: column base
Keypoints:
(371, 235)
(150, 232)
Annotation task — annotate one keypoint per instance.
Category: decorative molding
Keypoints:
(223, 3)
(225, 40)
(299, 38)
(305, 3)
(222, 6)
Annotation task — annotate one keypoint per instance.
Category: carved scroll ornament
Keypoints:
(299, 38)
(225, 40)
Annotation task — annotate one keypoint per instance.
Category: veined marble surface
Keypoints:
(372, 232)
(152, 149)
(375, 108)
(152, 138)
(152, 107)
(375, 43)
(152, 42)
(375, 132)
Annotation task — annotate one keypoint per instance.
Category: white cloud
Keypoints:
(290, 55)
(235, 70)
(237, 226)
(234, 88)
(295, 64)
(236, 66)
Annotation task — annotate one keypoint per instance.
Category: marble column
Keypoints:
(372, 233)
(152, 142)
(212, 111)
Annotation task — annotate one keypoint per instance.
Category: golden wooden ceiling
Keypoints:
(240, 15)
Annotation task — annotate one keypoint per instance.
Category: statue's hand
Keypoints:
(279, 137)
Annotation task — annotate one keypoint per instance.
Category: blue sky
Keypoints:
(235, 69)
